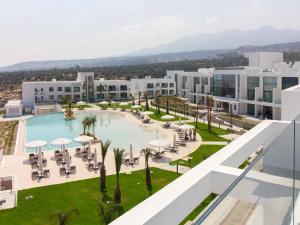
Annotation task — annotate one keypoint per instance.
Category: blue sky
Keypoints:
(72, 29)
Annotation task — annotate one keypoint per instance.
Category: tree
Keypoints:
(92, 122)
(209, 105)
(196, 115)
(147, 152)
(63, 217)
(146, 99)
(132, 98)
(108, 98)
(118, 153)
(157, 100)
(139, 95)
(86, 124)
(104, 149)
(109, 211)
(167, 106)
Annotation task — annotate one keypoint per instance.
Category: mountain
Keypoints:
(229, 39)
(189, 48)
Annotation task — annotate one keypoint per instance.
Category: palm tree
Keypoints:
(109, 211)
(209, 104)
(104, 149)
(109, 98)
(139, 95)
(146, 99)
(147, 152)
(157, 96)
(132, 98)
(93, 121)
(63, 217)
(85, 124)
(167, 106)
(196, 115)
(118, 153)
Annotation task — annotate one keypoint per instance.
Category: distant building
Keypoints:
(13, 108)
(253, 90)
(86, 88)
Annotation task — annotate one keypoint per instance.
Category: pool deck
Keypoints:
(19, 166)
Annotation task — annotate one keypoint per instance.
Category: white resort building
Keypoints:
(87, 89)
(253, 90)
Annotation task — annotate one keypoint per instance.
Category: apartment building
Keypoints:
(252, 90)
(86, 88)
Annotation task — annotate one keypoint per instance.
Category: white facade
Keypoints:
(13, 108)
(86, 88)
(253, 90)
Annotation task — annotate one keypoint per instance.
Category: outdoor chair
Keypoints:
(46, 173)
(34, 175)
(62, 171)
(78, 152)
(73, 169)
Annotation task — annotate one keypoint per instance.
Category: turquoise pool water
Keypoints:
(110, 125)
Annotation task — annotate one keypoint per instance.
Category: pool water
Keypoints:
(110, 125)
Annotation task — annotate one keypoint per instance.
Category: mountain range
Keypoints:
(189, 48)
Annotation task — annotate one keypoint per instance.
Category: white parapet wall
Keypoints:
(175, 201)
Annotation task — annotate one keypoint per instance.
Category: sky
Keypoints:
(77, 29)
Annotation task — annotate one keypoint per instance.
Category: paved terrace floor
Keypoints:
(18, 164)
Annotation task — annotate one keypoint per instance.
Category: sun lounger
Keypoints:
(34, 175)
(78, 152)
(46, 173)
(73, 169)
(167, 125)
(126, 161)
(62, 171)
(146, 120)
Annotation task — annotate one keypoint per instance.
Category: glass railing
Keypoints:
(267, 192)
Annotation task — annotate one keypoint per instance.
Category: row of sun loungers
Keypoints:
(37, 174)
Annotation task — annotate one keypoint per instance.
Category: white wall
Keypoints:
(290, 107)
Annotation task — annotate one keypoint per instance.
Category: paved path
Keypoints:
(214, 142)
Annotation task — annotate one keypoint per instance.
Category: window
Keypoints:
(171, 85)
(204, 81)
(51, 97)
(100, 88)
(150, 85)
(76, 89)
(123, 87)
(251, 109)
(51, 89)
(112, 88)
(171, 92)
(224, 85)
(100, 96)
(68, 89)
(76, 98)
(288, 82)
(184, 80)
(59, 97)
(150, 93)
(269, 84)
(113, 95)
(252, 83)
(123, 95)
(42, 89)
(35, 90)
(164, 92)
(157, 84)
(164, 85)
(196, 81)
(59, 88)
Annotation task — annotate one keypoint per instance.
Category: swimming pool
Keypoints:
(110, 125)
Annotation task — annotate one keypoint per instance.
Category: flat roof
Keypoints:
(16, 102)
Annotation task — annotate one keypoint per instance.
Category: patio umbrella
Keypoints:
(159, 143)
(167, 117)
(40, 159)
(68, 161)
(36, 144)
(186, 127)
(147, 113)
(136, 106)
(130, 154)
(83, 139)
(174, 141)
(124, 104)
(95, 157)
(62, 142)
(81, 103)
(104, 103)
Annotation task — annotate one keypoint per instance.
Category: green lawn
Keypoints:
(210, 136)
(202, 153)
(157, 117)
(199, 208)
(83, 195)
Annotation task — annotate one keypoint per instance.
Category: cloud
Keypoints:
(211, 20)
